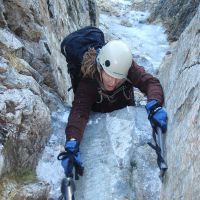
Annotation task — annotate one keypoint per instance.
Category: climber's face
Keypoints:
(109, 82)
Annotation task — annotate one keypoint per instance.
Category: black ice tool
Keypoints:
(67, 184)
(158, 137)
(67, 189)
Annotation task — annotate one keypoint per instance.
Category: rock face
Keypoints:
(140, 5)
(31, 191)
(27, 122)
(180, 77)
(144, 5)
(176, 15)
(33, 74)
(41, 26)
(37, 191)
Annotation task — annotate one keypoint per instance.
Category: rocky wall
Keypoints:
(33, 75)
(144, 5)
(180, 77)
(175, 15)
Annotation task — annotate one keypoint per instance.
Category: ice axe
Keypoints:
(158, 137)
(67, 184)
(67, 189)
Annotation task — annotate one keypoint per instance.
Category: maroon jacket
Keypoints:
(89, 96)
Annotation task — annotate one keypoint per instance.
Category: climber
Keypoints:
(108, 75)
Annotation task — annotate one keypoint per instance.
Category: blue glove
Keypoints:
(72, 158)
(72, 146)
(157, 115)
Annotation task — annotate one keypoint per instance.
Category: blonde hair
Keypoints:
(89, 67)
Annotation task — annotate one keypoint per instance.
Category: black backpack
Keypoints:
(75, 45)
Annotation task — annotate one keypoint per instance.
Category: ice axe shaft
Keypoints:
(67, 184)
(160, 141)
(68, 188)
(158, 137)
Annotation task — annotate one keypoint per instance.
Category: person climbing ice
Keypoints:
(103, 76)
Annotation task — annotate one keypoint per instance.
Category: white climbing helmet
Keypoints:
(115, 58)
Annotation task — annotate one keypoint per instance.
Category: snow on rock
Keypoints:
(9, 40)
(49, 168)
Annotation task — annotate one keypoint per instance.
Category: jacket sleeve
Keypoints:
(85, 97)
(146, 83)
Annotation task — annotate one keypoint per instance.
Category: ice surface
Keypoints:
(112, 143)
(147, 42)
(49, 168)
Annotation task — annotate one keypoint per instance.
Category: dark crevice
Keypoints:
(47, 48)
(186, 56)
(50, 9)
(70, 12)
(5, 16)
(3, 134)
(188, 67)
(198, 31)
(92, 12)
(19, 31)
(59, 69)
(10, 107)
(196, 63)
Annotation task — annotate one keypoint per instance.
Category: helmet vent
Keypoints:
(107, 63)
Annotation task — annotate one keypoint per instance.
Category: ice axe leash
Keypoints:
(67, 185)
(158, 137)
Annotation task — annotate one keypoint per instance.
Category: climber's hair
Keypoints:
(89, 66)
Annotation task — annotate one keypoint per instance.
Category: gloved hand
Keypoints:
(156, 115)
(72, 146)
(72, 158)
